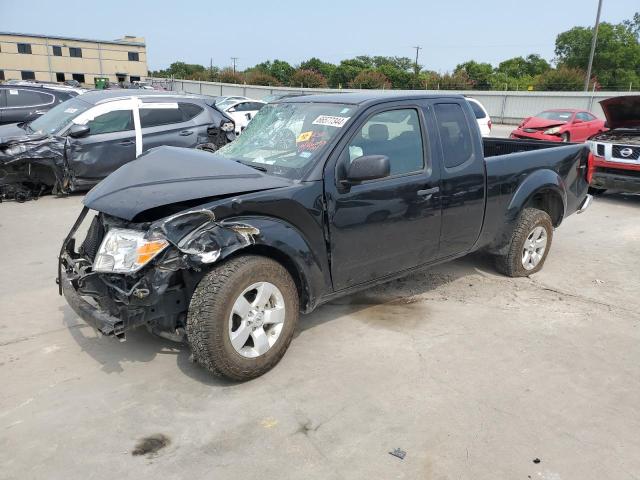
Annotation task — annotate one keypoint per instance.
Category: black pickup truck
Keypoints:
(319, 197)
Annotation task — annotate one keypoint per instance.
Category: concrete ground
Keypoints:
(474, 375)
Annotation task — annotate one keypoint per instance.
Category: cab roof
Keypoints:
(362, 98)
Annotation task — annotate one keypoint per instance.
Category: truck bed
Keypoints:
(503, 146)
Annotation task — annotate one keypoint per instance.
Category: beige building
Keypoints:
(56, 59)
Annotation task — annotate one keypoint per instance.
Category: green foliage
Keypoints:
(370, 79)
(258, 77)
(617, 51)
(316, 65)
(478, 73)
(227, 75)
(278, 69)
(519, 67)
(308, 78)
(561, 79)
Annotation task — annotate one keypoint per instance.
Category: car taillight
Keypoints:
(591, 167)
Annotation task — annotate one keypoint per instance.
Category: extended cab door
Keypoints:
(463, 176)
(383, 226)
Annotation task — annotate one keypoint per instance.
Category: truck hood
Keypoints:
(622, 112)
(172, 175)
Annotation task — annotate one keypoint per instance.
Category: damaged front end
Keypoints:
(32, 165)
(124, 275)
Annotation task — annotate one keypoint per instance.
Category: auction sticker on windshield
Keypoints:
(331, 121)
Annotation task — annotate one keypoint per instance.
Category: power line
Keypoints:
(234, 60)
(593, 47)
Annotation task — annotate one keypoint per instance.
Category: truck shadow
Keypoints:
(143, 347)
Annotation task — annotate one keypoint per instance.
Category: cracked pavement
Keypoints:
(474, 375)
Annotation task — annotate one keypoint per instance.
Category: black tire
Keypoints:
(207, 147)
(565, 138)
(210, 313)
(510, 264)
(596, 191)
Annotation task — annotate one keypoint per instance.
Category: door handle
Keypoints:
(427, 192)
(184, 133)
(126, 143)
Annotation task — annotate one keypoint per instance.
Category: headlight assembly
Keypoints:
(126, 251)
(227, 127)
(552, 131)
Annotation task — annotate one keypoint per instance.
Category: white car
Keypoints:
(482, 116)
(241, 111)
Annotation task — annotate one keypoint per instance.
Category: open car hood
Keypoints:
(622, 112)
(169, 175)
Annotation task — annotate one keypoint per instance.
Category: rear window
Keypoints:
(477, 110)
(455, 135)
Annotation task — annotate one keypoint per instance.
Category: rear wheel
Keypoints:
(242, 317)
(529, 245)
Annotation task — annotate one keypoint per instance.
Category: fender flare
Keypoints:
(538, 181)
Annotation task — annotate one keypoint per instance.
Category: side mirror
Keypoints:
(578, 120)
(368, 167)
(78, 131)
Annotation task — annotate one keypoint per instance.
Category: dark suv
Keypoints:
(22, 102)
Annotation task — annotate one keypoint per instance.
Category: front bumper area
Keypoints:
(104, 323)
(629, 183)
(521, 134)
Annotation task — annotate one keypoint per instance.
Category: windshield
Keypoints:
(285, 139)
(59, 116)
(559, 116)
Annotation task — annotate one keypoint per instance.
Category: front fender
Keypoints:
(206, 241)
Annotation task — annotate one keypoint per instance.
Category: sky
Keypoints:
(450, 31)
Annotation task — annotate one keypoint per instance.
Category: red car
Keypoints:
(567, 125)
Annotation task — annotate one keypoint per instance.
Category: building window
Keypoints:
(134, 79)
(24, 48)
(57, 51)
(75, 52)
(28, 75)
(60, 77)
(78, 77)
(1, 74)
(134, 57)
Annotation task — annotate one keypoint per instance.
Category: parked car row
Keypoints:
(562, 125)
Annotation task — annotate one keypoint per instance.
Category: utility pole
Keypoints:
(234, 60)
(593, 47)
(418, 48)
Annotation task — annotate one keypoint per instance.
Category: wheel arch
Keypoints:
(543, 189)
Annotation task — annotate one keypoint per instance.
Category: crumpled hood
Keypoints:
(167, 175)
(535, 122)
(622, 112)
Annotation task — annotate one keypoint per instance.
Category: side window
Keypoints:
(153, 117)
(242, 107)
(110, 122)
(27, 98)
(455, 135)
(396, 134)
(189, 110)
(477, 110)
(585, 117)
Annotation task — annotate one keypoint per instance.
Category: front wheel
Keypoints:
(529, 245)
(242, 317)
(565, 138)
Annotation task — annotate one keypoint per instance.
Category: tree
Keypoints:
(278, 69)
(519, 67)
(343, 74)
(258, 77)
(370, 79)
(315, 64)
(617, 51)
(227, 75)
(478, 73)
(561, 79)
(308, 78)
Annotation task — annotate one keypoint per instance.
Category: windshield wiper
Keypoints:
(257, 167)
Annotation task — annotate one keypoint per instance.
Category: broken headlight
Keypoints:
(227, 127)
(126, 251)
(552, 131)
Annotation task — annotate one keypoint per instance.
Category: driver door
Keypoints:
(384, 226)
(111, 143)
